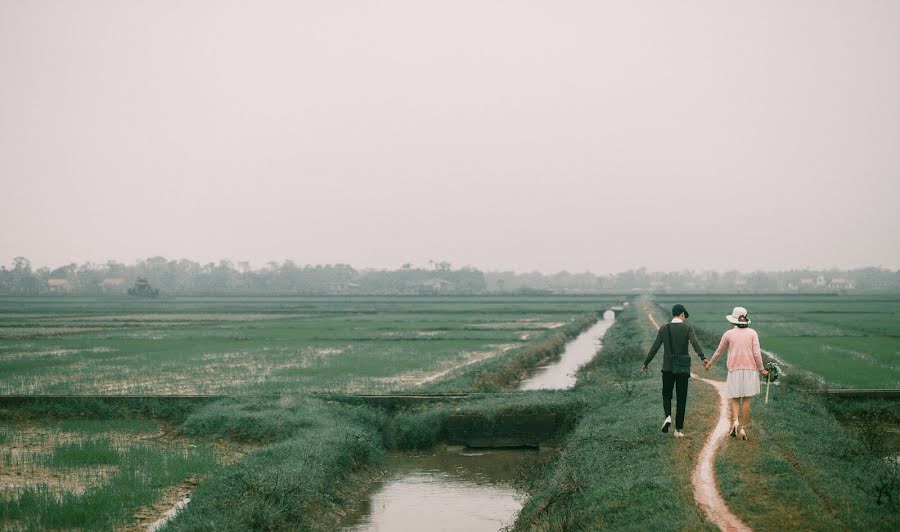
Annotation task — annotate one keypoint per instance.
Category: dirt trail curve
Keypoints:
(706, 493)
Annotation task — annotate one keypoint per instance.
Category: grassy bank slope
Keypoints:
(320, 458)
(815, 462)
(812, 462)
(617, 470)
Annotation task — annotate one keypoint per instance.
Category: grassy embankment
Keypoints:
(322, 457)
(814, 461)
(616, 469)
(507, 371)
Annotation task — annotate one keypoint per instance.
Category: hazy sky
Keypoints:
(515, 135)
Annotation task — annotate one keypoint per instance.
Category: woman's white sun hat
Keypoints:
(738, 316)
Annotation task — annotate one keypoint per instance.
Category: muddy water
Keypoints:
(446, 490)
(578, 352)
(466, 490)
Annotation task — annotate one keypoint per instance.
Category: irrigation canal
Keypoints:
(561, 375)
(460, 488)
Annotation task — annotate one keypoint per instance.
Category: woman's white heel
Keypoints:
(734, 429)
(743, 434)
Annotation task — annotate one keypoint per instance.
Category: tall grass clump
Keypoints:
(320, 458)
(99, 451)
(424, 426)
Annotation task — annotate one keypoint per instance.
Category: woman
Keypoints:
(744, 363)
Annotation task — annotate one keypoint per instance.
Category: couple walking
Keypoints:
(744, 364)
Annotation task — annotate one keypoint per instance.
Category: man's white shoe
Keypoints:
(678, 434)
(666, 423)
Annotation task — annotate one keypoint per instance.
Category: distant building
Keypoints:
(59, 286)
(808, 281)
(113, 285)
(342, 287)
(437, 285)
(840, 283)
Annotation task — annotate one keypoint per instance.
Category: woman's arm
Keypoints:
(757, 352)
(723, 346)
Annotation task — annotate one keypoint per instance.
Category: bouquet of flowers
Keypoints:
(774, 371)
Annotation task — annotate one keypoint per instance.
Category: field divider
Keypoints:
(703, 478)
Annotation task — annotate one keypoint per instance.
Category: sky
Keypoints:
(506, 135)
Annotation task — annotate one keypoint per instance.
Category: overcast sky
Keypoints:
(516, 135)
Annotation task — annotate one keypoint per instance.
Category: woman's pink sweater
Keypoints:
(742, 346)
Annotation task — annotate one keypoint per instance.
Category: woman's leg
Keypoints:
(735, 409)
(745, 412)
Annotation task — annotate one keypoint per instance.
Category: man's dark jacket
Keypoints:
(682, 333)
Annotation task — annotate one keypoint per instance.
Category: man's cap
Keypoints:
(678, 309)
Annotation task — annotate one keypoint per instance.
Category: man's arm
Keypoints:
(654, 348)
(692, 336)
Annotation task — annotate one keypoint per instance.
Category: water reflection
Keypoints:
(463, 490)
(578, 352)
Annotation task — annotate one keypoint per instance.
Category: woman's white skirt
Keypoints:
(742, 383)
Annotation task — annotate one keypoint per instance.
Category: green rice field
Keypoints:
(95, 474)
(234, 345)
(848, 341)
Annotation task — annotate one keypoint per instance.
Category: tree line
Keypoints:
(189, 278)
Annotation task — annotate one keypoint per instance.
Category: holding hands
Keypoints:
(707, 364)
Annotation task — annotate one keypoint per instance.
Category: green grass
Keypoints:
(849, 341)
(805, 468)
(322, 457)
(261, 345)
(616, 470)
(317, 457)
(88, 481)
(99, 451)
(814, 462)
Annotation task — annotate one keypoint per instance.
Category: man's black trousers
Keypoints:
(680, 382)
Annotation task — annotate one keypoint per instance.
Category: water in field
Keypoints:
(446, 490)
(578, 352)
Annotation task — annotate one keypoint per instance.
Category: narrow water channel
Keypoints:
(462, 490)
(466, 490)
(561, 374)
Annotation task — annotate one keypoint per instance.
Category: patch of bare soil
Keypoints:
(76, 480)
(706, 492)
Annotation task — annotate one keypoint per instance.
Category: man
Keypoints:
(682, 333)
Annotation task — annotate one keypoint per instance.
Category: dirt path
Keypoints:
(706, 493)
